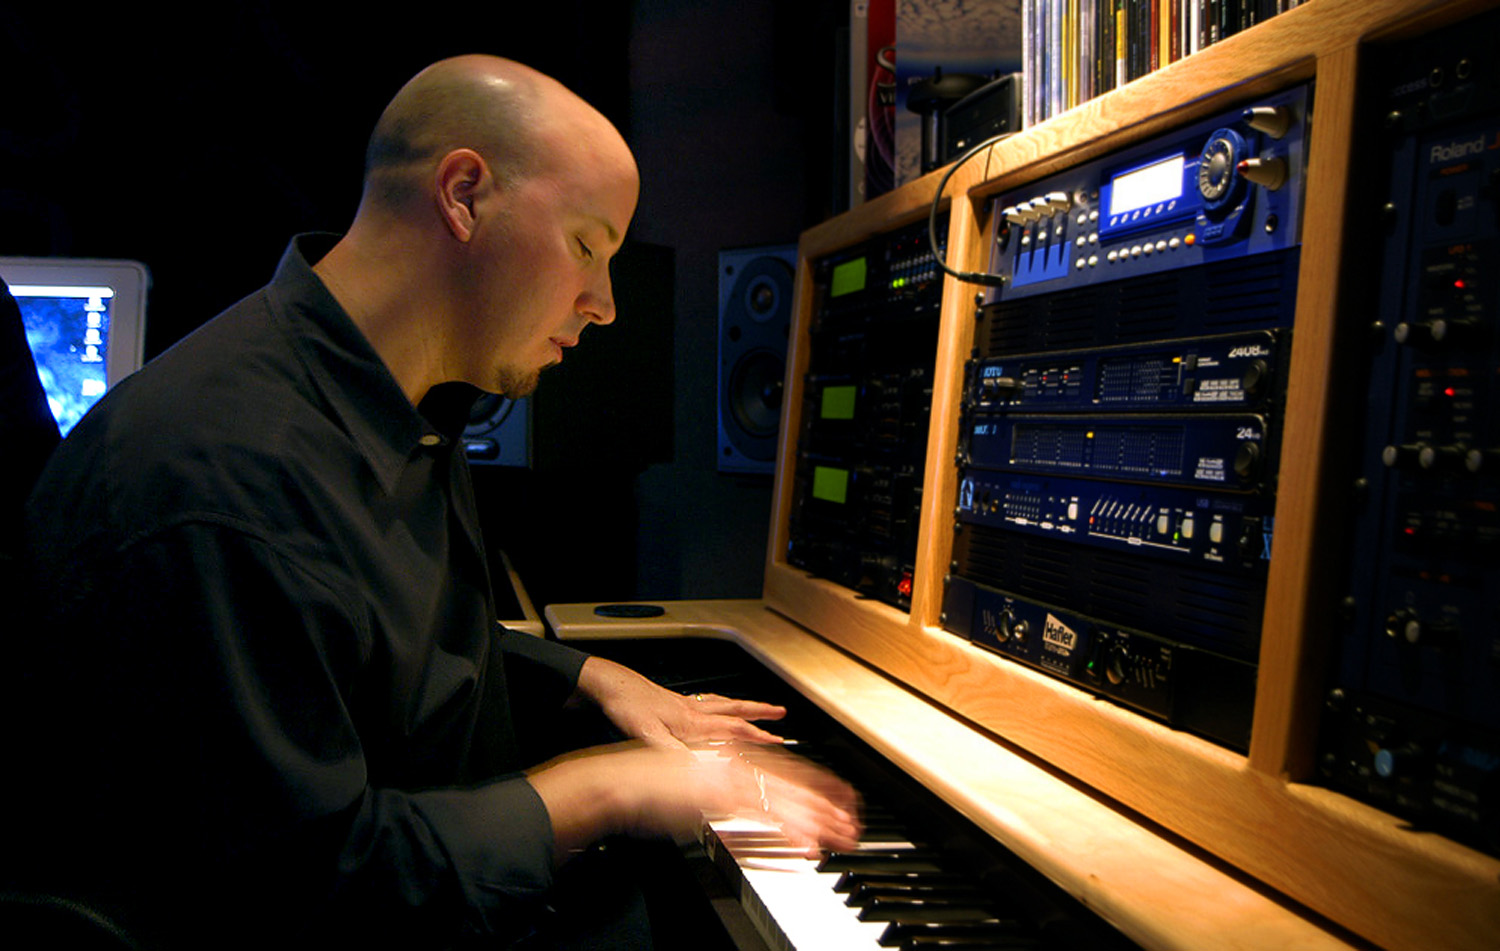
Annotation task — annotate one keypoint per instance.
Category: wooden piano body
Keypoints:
(1177, 841)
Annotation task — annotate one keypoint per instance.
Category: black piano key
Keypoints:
(849, 881)
(901, 934)
(942, 943)
(865, 894)
(884, 832)
(873, 860)
(915, 911)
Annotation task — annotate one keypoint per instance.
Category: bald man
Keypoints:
(269, 699)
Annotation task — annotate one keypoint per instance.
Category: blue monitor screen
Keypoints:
(68, 330)
(85, 320)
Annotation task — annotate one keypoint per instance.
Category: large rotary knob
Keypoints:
(1218, 178)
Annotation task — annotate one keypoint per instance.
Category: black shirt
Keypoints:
(269, 688)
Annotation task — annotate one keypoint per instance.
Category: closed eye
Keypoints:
(588, 253)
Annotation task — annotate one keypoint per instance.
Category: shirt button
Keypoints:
(431, 439)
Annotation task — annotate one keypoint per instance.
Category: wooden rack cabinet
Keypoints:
(1362, 869)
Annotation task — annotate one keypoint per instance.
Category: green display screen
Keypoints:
(848, 278)
(838, 402)
(830, 485)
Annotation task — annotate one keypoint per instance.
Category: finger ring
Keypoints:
(698, 697)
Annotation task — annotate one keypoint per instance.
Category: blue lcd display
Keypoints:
(1161, 190)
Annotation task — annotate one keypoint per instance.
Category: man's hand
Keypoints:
(663, 718)
(635, 789)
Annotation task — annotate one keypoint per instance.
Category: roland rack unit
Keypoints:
(1412, 720)
(1120, 423)
(862, 446)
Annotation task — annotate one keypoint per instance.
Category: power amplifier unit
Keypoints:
(1412, 722)
(1120, 426)
(867, 396)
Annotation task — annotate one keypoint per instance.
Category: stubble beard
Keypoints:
(515, 384)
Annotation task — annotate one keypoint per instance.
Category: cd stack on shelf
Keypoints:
(1074, 50)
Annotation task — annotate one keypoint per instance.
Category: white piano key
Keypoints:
(791, 903)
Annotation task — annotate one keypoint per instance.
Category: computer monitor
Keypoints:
(85, 320)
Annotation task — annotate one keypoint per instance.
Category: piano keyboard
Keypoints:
(921, 879)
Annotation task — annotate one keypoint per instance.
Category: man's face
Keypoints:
(540, 267)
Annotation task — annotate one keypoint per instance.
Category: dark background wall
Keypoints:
(199, 142)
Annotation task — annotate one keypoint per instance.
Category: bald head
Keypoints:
(503, 110)
(494, 199)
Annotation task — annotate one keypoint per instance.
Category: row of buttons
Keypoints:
(1084, 218)
(1169, 244)
(1188, 527)
(1043, 206)
(1137, 250)
(1139, 213)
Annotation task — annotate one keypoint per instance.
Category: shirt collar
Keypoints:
(356, 383)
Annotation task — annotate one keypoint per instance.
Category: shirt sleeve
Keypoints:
(547, 670)
(219, 762)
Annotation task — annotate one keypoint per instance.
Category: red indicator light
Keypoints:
(903, 587)
(1449, 391)
(1460, 284)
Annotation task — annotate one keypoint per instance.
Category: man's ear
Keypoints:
(461, 176)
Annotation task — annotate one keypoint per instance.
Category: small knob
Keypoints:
(1272, 120)
(1482, 460)
(1455, 458)
(1397, 760)
(1408, 455)
(1437, 632)
(1403, 624)
(1000, 387)
(1003, 628)
(1457, 331)
(1445, 331)
(1247, 460)
(1019, 630)
(1253, 377)
(1114, 668)
(1269, 173)
(1252, 540)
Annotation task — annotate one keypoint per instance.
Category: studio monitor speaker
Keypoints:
(755, 316)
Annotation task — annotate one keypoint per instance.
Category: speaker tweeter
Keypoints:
(499, 432)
